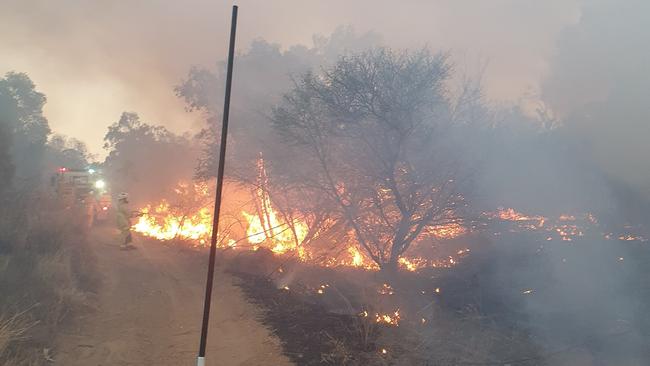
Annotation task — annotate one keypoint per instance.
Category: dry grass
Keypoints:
(46, 272)
(56, 273)
(13, 329)
(339, 354)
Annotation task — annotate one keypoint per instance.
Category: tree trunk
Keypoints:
(388, 270)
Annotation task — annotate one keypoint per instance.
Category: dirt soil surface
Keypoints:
(150, 308)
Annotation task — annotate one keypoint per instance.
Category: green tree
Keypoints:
(145, 160)
(6, 165)
(67, 151)
(21, 116)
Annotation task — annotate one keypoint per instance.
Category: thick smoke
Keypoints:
(589, 302)
(598, 85)
(95, 59)
(587, 152)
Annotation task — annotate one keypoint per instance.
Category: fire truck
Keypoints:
(85, 189)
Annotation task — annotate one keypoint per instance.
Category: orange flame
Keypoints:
(188, 216)
(267, 227)
(166, 221)
(389, 319)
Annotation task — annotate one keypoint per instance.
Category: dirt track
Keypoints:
(149, 313)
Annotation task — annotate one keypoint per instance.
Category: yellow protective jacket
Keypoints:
(123, 216)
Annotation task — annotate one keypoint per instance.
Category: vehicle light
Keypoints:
(104, 208)
(100, 184)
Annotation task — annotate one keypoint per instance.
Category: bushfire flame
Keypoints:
(187, 215)
(265, 226)
(186, 218)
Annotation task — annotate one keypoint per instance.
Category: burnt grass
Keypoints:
(310, 334)
(325, 328)
(481, 315)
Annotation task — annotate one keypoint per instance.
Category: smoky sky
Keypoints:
(95, 59)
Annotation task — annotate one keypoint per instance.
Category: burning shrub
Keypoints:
(185, 215)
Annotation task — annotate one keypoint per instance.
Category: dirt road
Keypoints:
(149, 313)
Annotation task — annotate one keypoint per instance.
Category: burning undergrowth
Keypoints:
(470, 313)
(500, 286)
(256, 223)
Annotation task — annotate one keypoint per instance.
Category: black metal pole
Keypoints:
(217, 200)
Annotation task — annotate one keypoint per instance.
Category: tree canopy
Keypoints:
(24, 129)
(262, 74)
(146, 159)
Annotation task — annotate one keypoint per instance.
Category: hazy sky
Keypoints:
(95, 59)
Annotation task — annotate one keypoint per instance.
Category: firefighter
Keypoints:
(123, 217)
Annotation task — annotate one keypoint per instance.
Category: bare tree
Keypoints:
(375, 135)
